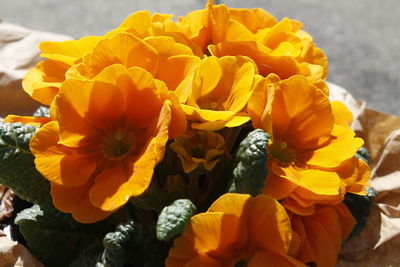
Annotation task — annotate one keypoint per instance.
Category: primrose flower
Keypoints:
(42, 83)
(307, 149)
(199, 148)
(276, 47)
(322, 234)
(111, 133)
(237, 230)
(219, 92)
(30, 120)
(164, 58)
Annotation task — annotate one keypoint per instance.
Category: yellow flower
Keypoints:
(111, 133)
(199, 148)
(43, 82)
(308, 151)
(30, 120)
(220, 90)
(142, 25)
(237, 230)
(164, 58)
(322, 234)
(276, 47)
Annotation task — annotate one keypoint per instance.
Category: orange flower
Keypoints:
(308, 149)
(199, 149)
(142, 25)
(111, 133)
(164, 58)
(43, 82)
(237, 230)
(322, 234)
(220, 90)
(281, 48)
(30, 120)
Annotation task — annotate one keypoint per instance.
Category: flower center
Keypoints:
(210, 104)
(281, 151)
(118, 143)
(241, 263)
(198, 151)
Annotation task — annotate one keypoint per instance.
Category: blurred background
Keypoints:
(360, 37)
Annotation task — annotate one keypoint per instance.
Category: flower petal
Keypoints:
(43, 82)
(341, 147)
(204, 236)
(266, 217)
(278, 187)
(75, 200)
(113, 187)
(57, 166)
(301, 114)
(261, 258)
(123, 48)
(81, 101)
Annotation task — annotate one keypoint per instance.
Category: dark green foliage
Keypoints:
(251, 164)
(55, 242)
(360, 207)
(364, 154)
(130, 245)
(174, 218)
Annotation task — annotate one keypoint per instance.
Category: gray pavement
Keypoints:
(360, 37)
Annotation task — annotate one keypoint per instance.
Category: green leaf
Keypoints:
(360, 207)
(17, 168)
(251, 164)
(54, 241)
(130, 245)
(364, 155)
(174, 218)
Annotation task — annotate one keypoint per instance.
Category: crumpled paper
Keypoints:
(377, 245)
(379, 242)
(14, 254)
(18, 53)
(6, 202)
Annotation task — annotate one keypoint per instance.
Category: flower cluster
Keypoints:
(184, 94)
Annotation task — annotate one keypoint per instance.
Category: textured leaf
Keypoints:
(360, 207)
(174, 218)
(251, 164)
(130, 245)
(52, 240)
(364, 154)
(17, 168)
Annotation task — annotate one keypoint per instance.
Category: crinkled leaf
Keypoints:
(130, 245)
(53, 241)
(360, 207)
(251, 164)
(364, 154)
(174, 218)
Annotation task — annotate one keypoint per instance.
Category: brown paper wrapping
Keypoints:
(379, 242)
(14, 254)
(19, 52)
(6, 202)
(377, 245)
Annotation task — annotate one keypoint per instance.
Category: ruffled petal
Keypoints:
(57, 163)
(342, 146)
(75, 200)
